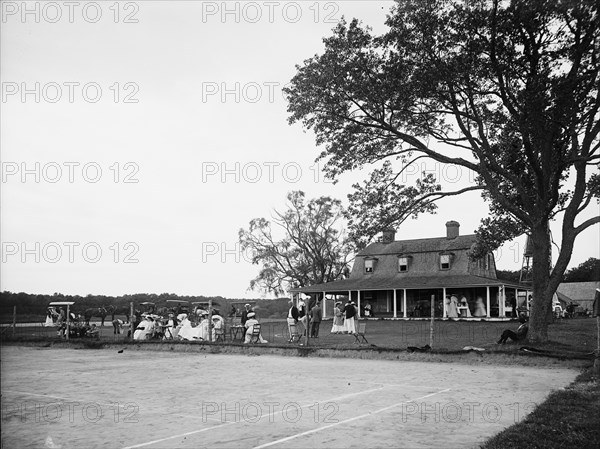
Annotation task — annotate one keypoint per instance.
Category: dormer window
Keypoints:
(403, 262)
(370, 265)
(445, 261)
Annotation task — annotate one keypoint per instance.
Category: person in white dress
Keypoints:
(452, 306)
(338, 319)
(187, 331)
(218, 323)
(464, 304)
(49, 317)
(250, 322)
(349, 318)
(170, 332)
(479, 308)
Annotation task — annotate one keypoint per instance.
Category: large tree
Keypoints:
(302, 246)
(506, 89)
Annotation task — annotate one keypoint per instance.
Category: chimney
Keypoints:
(388, 235)
(452, 229)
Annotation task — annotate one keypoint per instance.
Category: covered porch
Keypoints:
(486, 300)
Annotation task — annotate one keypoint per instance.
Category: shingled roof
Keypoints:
(436, 244)
(423, 265)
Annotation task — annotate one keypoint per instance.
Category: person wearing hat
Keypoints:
(316, 316)
(49, 317)
(292, 318)
(338, 318)
(247, 310)
(203, 326)
(170, 328)
(117, 326)
(349, 315)
(218, 323)
(250, 322)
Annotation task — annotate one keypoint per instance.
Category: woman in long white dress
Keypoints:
(479, 307)
(464, 304)
(452, 306)
(187, 332)
(250, 322)
(49, 318)
(338, 319)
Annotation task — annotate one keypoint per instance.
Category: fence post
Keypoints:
(210, 323)
(432, 316)
(131, 329)
(14, 323)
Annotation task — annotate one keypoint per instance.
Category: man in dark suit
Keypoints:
(292, 318)
(316, 316)
(247, 310)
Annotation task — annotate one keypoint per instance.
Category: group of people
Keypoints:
(181, 326)
(455, 308)
(311, 318)
(78, 329)
(344, 318)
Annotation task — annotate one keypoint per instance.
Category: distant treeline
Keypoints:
(30, 304)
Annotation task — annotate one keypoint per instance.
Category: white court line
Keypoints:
(193, 432)
(308, 432)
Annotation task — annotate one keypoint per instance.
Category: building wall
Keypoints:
(425, 264)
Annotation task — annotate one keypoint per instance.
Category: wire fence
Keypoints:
(271, 331)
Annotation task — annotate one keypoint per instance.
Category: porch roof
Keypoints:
(412, 282)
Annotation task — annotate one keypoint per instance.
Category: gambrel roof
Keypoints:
(424, 268)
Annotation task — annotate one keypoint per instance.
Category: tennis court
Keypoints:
(72, 398)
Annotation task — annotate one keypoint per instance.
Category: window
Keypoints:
(369, 265)
(445, 261)
(402, 263)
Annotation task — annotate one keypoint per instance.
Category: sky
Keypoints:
(137, 138)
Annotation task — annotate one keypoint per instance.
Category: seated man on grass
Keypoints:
(521, 333)
(94, 332)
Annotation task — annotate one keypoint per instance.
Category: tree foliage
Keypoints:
(506, 89)
(312, 247)
(585, 272)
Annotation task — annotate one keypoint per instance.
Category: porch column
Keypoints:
(68, 330)
(395, 307)
(404, 302)
(324, 305)
(501, 299)
(358, 311)
(487, 301)
(445, 315)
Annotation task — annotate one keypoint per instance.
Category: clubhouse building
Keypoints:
(398, 278)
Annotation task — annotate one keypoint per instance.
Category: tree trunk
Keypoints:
(541, 312)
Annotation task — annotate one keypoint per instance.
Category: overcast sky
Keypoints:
(137, 138)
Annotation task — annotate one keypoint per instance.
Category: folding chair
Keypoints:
(360, 333)
(219, 334)
(294, 334)
(255, 337)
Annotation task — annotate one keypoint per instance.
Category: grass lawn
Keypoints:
(573, 335)
(569, 418)
(576, 335)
